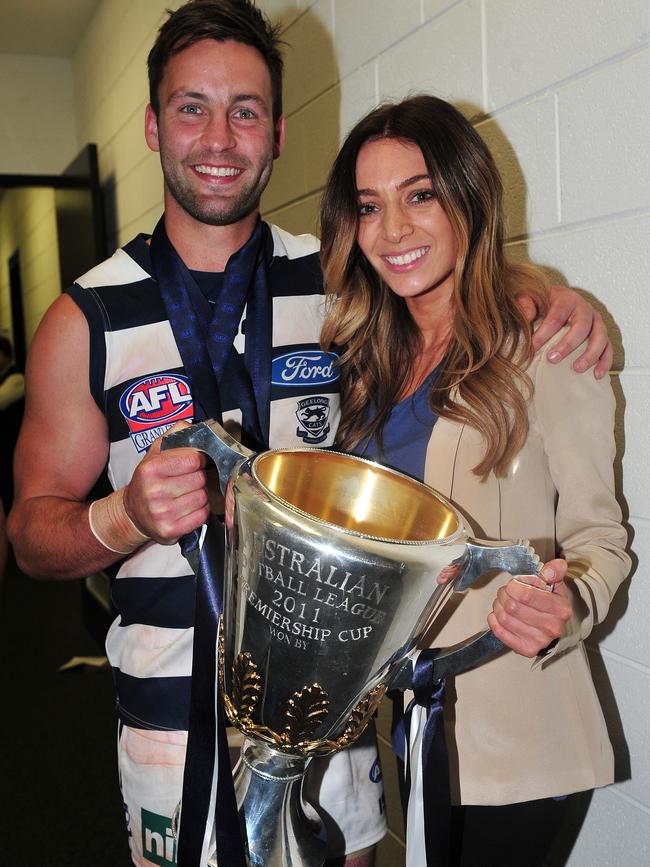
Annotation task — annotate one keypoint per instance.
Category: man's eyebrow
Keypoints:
(197, 96)
(249, 97)
(187, 94)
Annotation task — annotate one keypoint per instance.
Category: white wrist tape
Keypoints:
(111, 525)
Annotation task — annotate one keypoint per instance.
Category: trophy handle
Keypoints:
(517, 558)
(210, 437)
(448, 661)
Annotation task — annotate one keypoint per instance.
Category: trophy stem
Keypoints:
(267, 786)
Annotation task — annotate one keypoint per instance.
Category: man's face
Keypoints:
(215, 131)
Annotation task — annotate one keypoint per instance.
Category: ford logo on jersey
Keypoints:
(305, 367)
(152, 405)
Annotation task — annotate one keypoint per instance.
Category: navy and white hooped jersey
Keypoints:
(138, 381)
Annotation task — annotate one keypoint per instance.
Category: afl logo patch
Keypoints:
(305, 367)
(375, 772)
(152, 405)
(313, 416)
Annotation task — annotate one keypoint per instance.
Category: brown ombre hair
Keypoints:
(483, 381)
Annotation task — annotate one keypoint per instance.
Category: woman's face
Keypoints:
(403, 231)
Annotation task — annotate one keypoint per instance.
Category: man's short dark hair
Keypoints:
(5, 346)
(221, 20)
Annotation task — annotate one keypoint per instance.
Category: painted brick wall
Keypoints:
(28, 221)
(109, 71)
(37, 110)
(559, 91)
(37, 136)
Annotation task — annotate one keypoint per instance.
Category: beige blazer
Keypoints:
(518, 731)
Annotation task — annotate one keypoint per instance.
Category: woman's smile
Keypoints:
(407, 260)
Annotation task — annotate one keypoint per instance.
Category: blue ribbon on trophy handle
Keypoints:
(427, 807)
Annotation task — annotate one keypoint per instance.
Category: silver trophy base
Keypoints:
(267, 787)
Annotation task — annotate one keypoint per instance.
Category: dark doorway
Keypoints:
(80, 234)
(80, 217)
(79, 212)
(17, 314)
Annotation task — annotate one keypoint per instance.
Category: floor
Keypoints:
(60, 801)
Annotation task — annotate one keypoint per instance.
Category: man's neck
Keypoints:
(203, 247)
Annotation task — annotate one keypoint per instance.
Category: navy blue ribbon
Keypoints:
(429, 691)
(206, 729)
(205, 332)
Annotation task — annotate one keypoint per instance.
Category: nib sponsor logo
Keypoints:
(158, 843)
(152, 405)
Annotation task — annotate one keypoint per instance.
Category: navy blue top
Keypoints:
(406, 434)
(210, 283)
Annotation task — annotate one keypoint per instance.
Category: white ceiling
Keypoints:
(46, 27)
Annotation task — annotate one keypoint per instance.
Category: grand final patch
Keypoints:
(152, 405)
(313, 416)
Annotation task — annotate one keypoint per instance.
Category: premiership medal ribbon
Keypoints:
(207, 726)
(204, 334)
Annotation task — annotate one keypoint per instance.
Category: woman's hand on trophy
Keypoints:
(167, 495)
(529, 613)
(448, 573)
(229, 506)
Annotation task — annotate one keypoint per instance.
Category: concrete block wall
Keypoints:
(559, 90)
(37, 115)
(37, 136)
(28, 220)
(109, 71)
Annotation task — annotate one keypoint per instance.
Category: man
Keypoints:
(123, 355)
(12, 393)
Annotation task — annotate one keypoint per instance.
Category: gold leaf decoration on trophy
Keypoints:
(304, 713)
(221, 657)
(361, 716)
(246, 686)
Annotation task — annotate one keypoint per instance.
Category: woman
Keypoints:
(440, 380)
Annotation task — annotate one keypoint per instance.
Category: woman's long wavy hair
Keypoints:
(483, 381)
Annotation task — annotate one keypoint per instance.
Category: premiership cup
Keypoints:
(330, 581)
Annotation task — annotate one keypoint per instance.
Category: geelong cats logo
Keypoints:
(313, 416)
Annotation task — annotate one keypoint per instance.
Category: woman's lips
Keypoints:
(405, 261)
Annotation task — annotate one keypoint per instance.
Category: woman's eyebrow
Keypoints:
(407, 182)
(414, 180)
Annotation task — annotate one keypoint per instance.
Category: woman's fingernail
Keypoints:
(554, 356)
